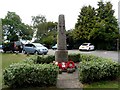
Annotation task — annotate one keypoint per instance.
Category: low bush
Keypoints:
(74, 57)
(99, 69)
(49, 59)
(88, 57)
(24, 75)
(30, 60)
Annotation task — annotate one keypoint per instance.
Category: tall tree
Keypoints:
(39, 25)
(85, 23)
(38, 20)
(48, 36)
(106, 27)
(13, 28)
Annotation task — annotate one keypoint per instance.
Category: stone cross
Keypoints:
(61, 54)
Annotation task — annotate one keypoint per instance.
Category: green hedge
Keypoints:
(49, 59)
(99, 69)
(87, 57)
(74, 57)
(24, 75)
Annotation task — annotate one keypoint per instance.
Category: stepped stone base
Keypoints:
(61, 56)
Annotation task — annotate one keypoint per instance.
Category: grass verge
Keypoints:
(7, 59)
(103, 84)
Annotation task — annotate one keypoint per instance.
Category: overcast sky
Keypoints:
(50, 9)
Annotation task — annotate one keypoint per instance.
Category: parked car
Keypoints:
(35, 48)
(87, 46)
(54, 47)
(12, 46)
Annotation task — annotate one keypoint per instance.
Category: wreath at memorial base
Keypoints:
(70, 64)
(63, 65)
(66, 66)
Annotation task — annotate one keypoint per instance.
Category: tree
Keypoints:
(98, 26)
(106, 27)
(85, 24)
(69, 39)
(13, 28)
(38, 20)
(39, 25)
(49, 38)
(46, 31)
(42, 26)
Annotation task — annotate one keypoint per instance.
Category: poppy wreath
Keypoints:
(70, 64)
(62, 65)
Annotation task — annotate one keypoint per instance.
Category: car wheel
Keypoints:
(20, 51)
(4, 51)
(36, 52)
(45, 53)
(89, 49)
(24, 52)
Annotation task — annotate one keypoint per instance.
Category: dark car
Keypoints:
(12, 46)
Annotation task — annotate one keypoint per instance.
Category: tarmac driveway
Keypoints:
(114, 55)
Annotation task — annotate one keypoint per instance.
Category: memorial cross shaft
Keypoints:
(61, 54)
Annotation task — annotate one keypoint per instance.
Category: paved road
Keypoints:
(107, 54)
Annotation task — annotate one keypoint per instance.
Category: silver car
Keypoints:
(1, 46)
(35, 48)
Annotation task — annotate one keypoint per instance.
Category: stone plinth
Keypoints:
(61, 55)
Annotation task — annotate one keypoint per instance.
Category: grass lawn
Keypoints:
(103, 84)
(7, 59)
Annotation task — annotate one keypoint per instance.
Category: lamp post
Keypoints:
(119, 31)
(117, 44)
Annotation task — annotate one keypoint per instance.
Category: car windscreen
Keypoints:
(29, 45)
(84, 44)
(38, 45)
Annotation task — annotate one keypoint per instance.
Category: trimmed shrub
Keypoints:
(99, 69)
(24, 75)
(49, 59)
(30, 60)
(41, 60)
(74, 57)
(88, 57)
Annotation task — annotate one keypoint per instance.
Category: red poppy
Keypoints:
(62, 65)
(71, 64)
